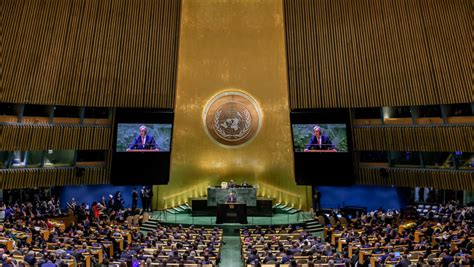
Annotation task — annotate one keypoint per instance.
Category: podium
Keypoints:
(244, 195)
(231, 213)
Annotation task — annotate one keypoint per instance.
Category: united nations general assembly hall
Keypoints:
(236, 133)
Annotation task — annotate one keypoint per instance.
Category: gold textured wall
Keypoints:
(231, 45)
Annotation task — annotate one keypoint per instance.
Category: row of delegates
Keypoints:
(29, 210)
(112, 205)
(436, 235)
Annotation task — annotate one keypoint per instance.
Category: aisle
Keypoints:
(230, 253)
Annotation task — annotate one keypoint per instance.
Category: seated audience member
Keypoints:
(444, 240)
(269, 258)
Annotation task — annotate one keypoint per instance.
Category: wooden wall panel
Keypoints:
(434, 138)
(120, 53)
(368, 53)
(441, 179)
(67, 137)
(47, 177)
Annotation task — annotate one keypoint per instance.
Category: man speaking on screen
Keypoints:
(143, 141)
(319, 141)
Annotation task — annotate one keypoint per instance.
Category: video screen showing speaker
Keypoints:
(143, 137)
(320, 137)
(322, 147)
(142, 146)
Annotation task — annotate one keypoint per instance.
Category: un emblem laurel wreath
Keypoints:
(220, 130)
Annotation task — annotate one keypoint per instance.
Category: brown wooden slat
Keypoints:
(43, 137)
(378, 53)
(440, 179)
(446, 138)
(43, 177)
(91, 52)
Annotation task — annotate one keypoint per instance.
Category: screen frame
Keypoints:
(142, 123)
(141, 168)
(328, 170)
(337, 151)
(323, 116)
(147, 116)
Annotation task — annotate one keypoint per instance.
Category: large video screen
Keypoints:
(142, 146)
(320, 137)
(143, 137)
(327, 133)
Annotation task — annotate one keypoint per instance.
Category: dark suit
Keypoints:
(269, 258)
(404, 263)
(231, 199)
(138, 143)
(30, 259)
(325, 144)
(48, 264)
(134, 199)
(447, 260)
(252, 259)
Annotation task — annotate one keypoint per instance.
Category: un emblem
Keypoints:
(232, 118)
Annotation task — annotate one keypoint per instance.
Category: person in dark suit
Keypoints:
(404, 262)
(319, 141)
(30, 258)
(134, 198)
(149, 198)
(269, 257)
(286, 258)
(143, 140)
(231, 198)
(253, 258)
(143, 194)
(446, 260)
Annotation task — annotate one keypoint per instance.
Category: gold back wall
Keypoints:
(119, 53)
(231, 45)
(354, 53)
